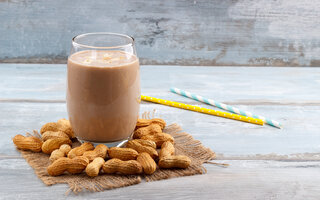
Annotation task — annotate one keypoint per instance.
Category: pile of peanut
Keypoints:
(140, 154)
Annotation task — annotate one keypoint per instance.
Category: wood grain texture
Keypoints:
(243, 179)
(178, 32)
(265, 163)
(31, 95)
(233, 85)
(299, 140)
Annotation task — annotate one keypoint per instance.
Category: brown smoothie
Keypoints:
(103, 94)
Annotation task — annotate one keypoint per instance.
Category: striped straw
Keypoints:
(202, 110)
(225, 107)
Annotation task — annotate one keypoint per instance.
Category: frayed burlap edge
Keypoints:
(185, 144)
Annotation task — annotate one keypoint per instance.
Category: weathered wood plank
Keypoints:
(294, 102)
(230, 139)
(286, 94)
(247, 85)
(205, 32)
(243, 180)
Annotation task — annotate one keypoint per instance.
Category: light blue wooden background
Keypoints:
(178, 32)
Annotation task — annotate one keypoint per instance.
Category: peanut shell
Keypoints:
(55, 143)
(115, 165)
(94, 167)
(122, 153)
(148, 164)
(175, 162)
(134, 144)
(28, 143)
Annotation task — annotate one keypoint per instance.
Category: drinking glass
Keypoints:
(103, 87)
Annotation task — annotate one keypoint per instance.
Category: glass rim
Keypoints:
(131, 43)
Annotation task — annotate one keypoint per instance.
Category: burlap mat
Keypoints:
(185, 144)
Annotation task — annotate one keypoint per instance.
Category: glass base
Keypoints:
(120, 143)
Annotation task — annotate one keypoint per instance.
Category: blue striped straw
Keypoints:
(224, 106)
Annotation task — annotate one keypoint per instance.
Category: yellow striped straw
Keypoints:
(203, 110)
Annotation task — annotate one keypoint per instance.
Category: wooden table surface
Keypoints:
(265, 162)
